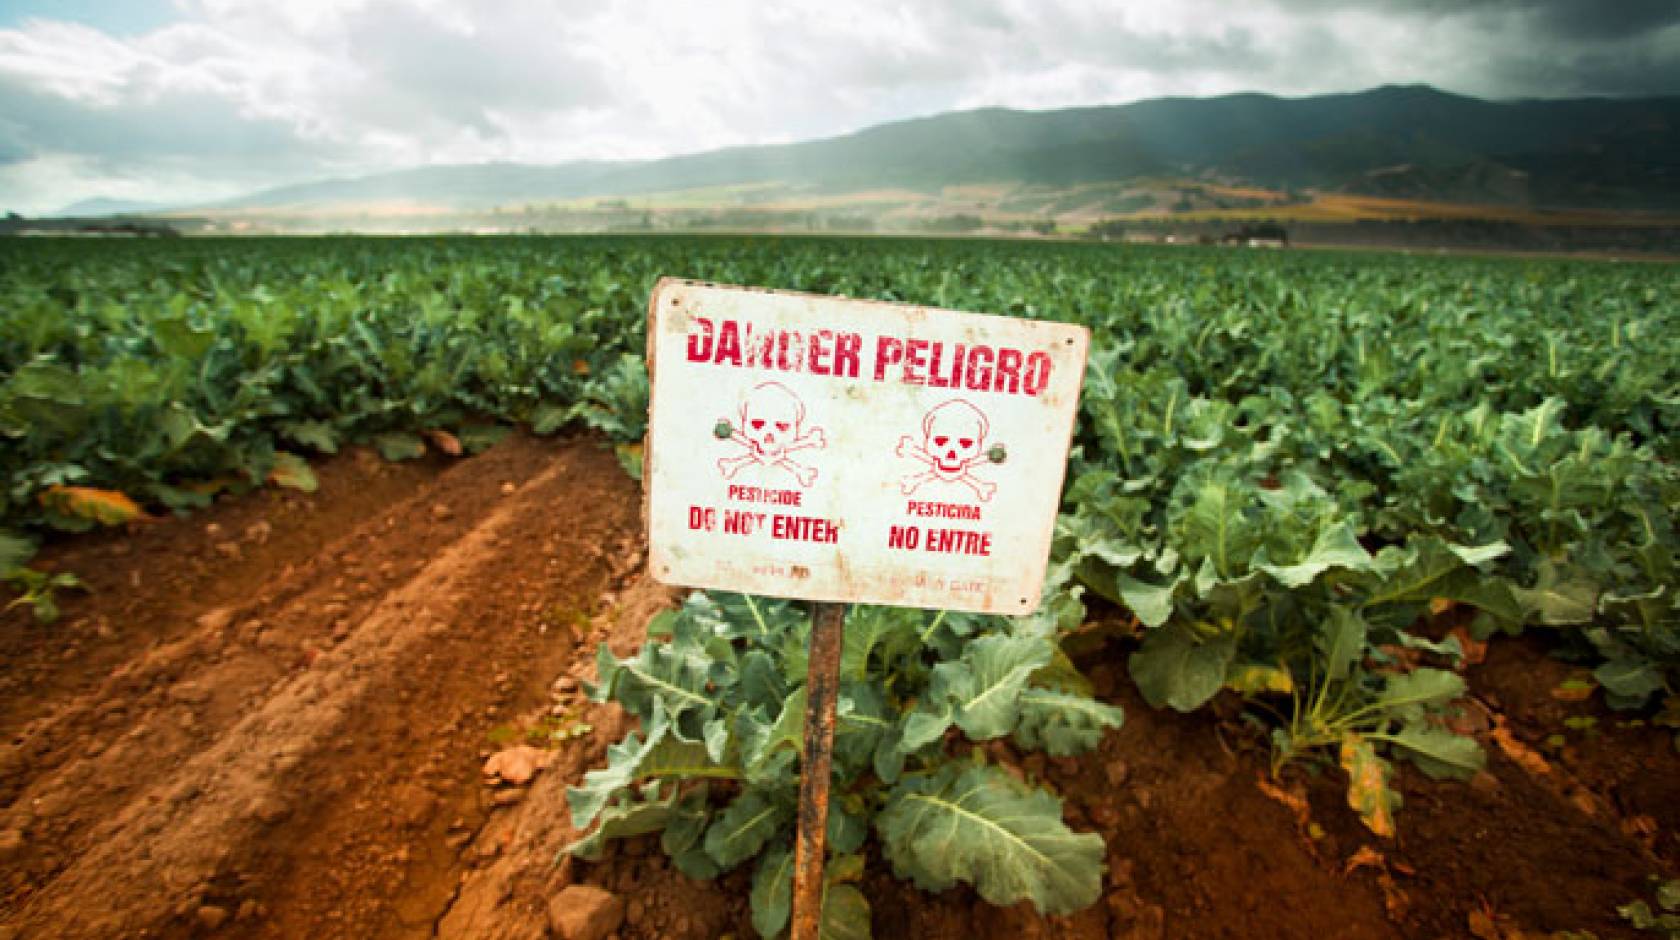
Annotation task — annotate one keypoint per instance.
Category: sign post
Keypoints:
(843, 451)
(822, 684)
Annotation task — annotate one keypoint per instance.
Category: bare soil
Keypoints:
(270, 720)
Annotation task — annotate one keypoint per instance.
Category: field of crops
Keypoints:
(1308, 492)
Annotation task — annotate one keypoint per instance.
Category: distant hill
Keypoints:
(1411, 142)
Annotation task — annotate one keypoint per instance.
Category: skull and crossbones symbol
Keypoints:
(953, 438)
(772, 422)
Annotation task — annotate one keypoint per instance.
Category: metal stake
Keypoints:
(822, 682)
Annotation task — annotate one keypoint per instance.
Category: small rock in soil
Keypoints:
(1116, 771)
(441, 512)
(216, 620)
(1105, 815)
(565, 684)
(508, 489)
(517, 765)
(584, 912)
(11, 843)
(508, 797)
(189, 692)
(259, 532)
(249, 909)
(211, 917)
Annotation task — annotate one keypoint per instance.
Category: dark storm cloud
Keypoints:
(1566, 20)
(1539, 48)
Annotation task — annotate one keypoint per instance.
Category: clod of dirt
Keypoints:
(216, 620)
(190, 692)
(1116, 771)
(585, 912)
(517, 765)
(211, 917)
(440, 512)
(259, 532)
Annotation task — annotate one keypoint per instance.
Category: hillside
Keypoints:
(1411, 142)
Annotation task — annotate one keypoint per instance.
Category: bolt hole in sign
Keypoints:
(858, 451)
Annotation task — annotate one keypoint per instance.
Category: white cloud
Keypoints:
(240, 94)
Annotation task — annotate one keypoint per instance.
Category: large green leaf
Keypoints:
(633, 760)
(1630, 677)
(1430, 568)
(1438, 752)
(1407, 694)
(845, 911)
(1177, 668)
(627, 817)
(1152, 603)
(15, 552)
(1341, 642)
(772, 891)
(740, 831)
(685, 676)
(876, 631)
(1337, 546)
(1063, 724)
(981, 691)
(1559, 598)
(1216, 526)
(982, 826)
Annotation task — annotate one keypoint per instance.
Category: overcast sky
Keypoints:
(188, 100)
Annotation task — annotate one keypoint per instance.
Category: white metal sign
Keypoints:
(846, 450)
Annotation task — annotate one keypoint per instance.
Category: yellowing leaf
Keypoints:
(1251, 679)
(445, 441)
(1368, 791)
(292, 471)
(579, 367)
(1573, 690)
(1295, 802)
(1366, 857)
(1520, 754)
(108, 507)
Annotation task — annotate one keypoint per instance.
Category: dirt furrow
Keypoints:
(243, 744)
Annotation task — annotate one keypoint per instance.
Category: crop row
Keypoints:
(1307, 479)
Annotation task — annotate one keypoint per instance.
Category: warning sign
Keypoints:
(845, 450)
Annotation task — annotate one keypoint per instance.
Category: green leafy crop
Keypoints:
(715, 766)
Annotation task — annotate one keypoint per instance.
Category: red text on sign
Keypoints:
(819, 352)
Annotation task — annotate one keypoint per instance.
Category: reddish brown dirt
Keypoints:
(268, 720)
(273, 713)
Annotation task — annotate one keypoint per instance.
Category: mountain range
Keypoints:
(1402, 142)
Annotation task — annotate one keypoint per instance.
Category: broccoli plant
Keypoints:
(715, 767)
